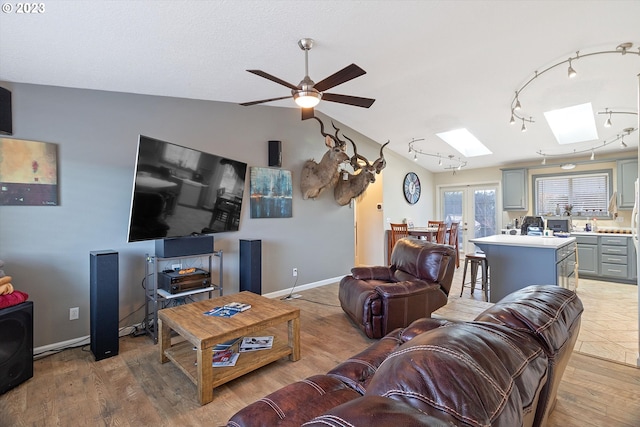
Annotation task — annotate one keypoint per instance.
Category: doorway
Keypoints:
(474, 207)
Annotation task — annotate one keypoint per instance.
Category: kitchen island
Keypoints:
(519, 261)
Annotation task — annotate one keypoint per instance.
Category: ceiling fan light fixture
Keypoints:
(307, 98)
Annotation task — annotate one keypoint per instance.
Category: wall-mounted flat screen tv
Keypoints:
(179, 192)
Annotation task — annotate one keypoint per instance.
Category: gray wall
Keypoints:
(46, 249)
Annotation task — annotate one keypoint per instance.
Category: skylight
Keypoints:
(464, 142)
(573, 124)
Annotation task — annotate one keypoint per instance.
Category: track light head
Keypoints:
(570, 71)
(523, 128)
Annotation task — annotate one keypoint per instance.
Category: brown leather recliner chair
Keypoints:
(381, 299)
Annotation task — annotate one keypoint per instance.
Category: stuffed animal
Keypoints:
(5, 282)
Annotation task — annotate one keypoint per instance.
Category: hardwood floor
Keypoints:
(134, 389)
(609, 327)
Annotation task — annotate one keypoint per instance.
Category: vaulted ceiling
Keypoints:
(432, 66)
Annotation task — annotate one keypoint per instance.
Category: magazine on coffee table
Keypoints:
(256, 343)
(228, 310)
(221, 312)
(223, 358)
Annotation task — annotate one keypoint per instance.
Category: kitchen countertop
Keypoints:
(526, 241)
(621, 232)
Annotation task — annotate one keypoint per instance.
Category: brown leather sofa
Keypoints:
(502, 369)
(381, 299)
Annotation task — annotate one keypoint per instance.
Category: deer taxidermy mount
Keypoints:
(353, 185)
(315, 177)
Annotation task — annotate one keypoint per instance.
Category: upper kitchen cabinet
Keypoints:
(627, 175)
(515, 194)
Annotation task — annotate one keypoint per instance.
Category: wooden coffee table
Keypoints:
(204, 332)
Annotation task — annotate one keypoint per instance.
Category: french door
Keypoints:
(474, 207)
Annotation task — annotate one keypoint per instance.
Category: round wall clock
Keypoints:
(411, 187)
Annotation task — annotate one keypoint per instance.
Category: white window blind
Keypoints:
(587, 193)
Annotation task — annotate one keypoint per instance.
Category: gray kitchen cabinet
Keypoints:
(627, 173)
(587, 255)
(633, 264)
(608, 257)
(613, 257)
(515, 194)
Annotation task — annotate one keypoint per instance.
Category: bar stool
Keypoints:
(477, 260)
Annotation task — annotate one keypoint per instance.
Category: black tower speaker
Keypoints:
(16, 345)
(275, 153)
(6, 121)
(103, 298)
(251, 266)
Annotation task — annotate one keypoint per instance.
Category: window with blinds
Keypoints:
(587, 193)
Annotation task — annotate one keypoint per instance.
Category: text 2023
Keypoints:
(30, 8)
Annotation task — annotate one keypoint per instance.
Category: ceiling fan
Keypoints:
(308, 94)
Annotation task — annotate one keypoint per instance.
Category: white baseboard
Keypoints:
(78, 342)
(86, 340)
(285, 292)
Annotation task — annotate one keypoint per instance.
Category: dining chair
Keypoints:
(441, 234)
(453, 240)
(433, 224)
(398, 231)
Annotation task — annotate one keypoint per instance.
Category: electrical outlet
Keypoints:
(176, 266)
(74, 313)
(295, 272)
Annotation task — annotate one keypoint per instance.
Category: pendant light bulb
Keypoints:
(544, 160)
(607, 124)
(439, 161)
(415, 156)
(517, 106)
(593, 155)
(523, 128)
(571, 72)
(513, 119)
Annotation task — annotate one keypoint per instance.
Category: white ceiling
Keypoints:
(432, 66)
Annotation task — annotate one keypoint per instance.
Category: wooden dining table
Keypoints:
(430, 234)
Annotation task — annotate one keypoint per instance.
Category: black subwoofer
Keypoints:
(16, 345)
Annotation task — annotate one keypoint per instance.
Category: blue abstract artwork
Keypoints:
(271, 193)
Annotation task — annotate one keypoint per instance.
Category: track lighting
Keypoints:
(452, 163)
(622, 143)
(570, 71)
(523, 128)
(516, 106)
(608, 112)
(619, 137)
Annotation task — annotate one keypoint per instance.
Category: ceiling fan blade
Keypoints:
(246, 104)
(273, 79)
(347, 99)
(349, 72)
(307, 113)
